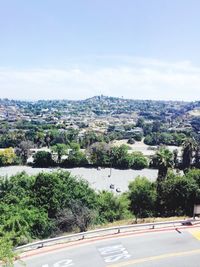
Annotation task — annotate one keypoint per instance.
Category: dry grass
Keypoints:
(132, 221)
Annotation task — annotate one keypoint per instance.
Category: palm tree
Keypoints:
(197, 157)
(189, 146)
(163, 160)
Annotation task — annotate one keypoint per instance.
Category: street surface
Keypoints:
(155, 249)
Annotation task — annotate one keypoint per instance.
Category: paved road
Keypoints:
(147, 250)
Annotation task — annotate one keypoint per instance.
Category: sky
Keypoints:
(75, 49)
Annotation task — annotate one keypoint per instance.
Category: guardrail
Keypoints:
(105, 231)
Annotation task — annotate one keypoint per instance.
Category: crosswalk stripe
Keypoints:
(196, 234)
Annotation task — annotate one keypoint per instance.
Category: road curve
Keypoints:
(179, 247)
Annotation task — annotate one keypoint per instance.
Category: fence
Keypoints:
(104, 232)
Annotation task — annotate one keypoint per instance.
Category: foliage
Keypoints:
(163, 159)
(111, 207)
(30, 204)
(43, 159)
(179, 194)
(189, 147)
(142, 195)
(60, 150)
(7, 157)
(23, 150)
(164, 138)
(54, 191)
(76, 158)
(77, 215)
(139, 161)
(7, 255)
(100, 154)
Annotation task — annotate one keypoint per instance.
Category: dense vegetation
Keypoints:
(46, 205)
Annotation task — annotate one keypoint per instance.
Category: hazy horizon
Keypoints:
(81, 99)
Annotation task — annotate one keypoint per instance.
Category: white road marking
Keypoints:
(63, 263)
(114, 253)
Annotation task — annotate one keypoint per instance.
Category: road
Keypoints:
(155, 249)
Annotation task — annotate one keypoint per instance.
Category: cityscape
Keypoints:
(100, 133)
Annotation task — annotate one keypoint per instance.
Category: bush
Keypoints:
(142, 195)
(139, 161)
(43, 159)
(178, 195)
(111, 207)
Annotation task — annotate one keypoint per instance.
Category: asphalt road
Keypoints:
(157, 249)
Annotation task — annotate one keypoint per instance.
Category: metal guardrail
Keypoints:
(103, 232)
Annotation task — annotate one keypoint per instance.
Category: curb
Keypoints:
(52, 248)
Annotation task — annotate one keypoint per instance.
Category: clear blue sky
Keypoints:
(80, 48)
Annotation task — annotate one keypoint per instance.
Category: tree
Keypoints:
(178, 195)
(120, 157)
(7, 156)
(139, 161)
(140, 122)
(156, 126)
(54, 191)
(131, 141)
(40, 139)
(142, 195)
(76, 158)
(23, 150)
(60, 150)
(189, 146)
(89, 138)
(111, 207)
(163, 160)
(175, 158)
(194, 174)
(43, 159)
(197, 157)
(99, 154)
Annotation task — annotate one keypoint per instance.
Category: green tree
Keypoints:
(40, 139)
(7, 157)
(178, 195)
(139, 161)
(76, 158)
(60, 150)
(120, 157)
(43, 159)
(163, 160)
(23, 150)
(189, 147)
(197, 157)
(111, 207)
(100, 154)
(142, 195)
(54, 191)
